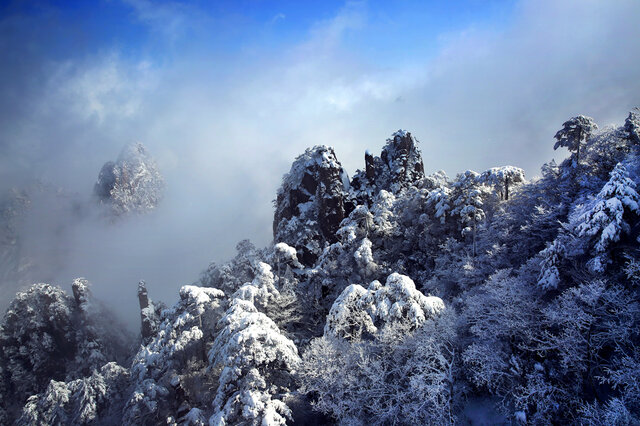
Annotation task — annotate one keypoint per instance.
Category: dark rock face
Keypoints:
(106, 181)
(311, 203)
(370, 170)
(148, 314)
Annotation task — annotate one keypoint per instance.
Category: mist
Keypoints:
(225, 102)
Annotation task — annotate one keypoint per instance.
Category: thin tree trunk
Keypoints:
(474, 237)
(578, 151)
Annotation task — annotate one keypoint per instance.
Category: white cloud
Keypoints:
(171, 19)
(277, 17)
(103, 88)
(224, 128)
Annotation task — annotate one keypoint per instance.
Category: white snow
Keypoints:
(357, 310)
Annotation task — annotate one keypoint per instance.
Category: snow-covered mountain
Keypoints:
(395, 297)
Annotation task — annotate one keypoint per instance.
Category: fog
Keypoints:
(224, 114)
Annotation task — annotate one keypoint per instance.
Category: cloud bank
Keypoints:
(224, 112)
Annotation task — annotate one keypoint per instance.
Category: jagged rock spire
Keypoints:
(398, 167)
(81, 291)
(148, 318)
(311, 202)
(401, 162)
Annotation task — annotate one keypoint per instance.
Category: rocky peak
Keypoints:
(311, 202)
(401, 162)
(398, 167)
(132, 183)
(81, 293)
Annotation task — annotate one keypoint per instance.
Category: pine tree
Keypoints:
(467, 199)
(574, 133)
(503, 178)
(604, 217)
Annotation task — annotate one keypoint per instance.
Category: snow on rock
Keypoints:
(359, 311)
(401, 162)
(400, 134)
(398, 167)
(132, 184)
(81, 288)
(632, 125)
(311, 202)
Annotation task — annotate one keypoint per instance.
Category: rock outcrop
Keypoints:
(131, 184)
(398, 167)
(316, 194)
(400, 162)
(311, 203)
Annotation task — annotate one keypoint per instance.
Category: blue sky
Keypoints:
(389, 28)
(226, 94)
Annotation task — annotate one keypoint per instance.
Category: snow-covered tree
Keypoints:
(287, 256)
(261, 292)
(364, 258)
(604, 218)
(590, 333)
(468, 202)
(95, 399)
(176, 351)
(549, 276)
(231, 275)
(501, 315)
(439, 199)
(359, 311)
(47, 335)
(574, 133)
(387, 356)
(256, 364)
(503, 178)
(527, 326)
(384, 223)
